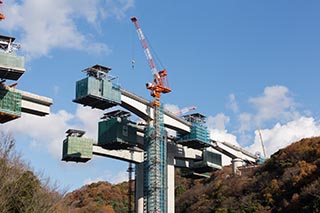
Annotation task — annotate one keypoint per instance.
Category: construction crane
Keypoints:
(185, 110)
(155, 189)
(2, 16)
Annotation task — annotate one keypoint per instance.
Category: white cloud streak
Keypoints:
(50, 24)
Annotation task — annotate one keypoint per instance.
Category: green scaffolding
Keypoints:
(155, 167)
(117, 133)
(77, 149)
(11, 61)
(10, 104)
(97, 93)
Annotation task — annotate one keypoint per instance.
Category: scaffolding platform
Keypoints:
(76, 148)
(9, 72)
(194, 143)
(95, 102)
(97, 91)
(117, 132)
(199, 136)
(195, 175)
(210, 161)
(5, 117)
(11, 65)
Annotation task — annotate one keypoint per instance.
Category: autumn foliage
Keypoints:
(97, 197)
(288, 182)
(20, 189)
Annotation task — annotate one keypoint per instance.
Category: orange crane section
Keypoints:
(160, 81)
(2, 16)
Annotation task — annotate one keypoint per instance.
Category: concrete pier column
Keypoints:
(171, 184)
(139, 188)
(236, 163)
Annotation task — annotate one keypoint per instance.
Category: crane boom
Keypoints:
(146, 48)
(262, 143)
(160, 82)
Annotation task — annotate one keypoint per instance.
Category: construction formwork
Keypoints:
(11, 65)
(97, 93)
(117, 133)
(155, 167)
(198, 137)
(210, 161)
(77, 148)
(10, 104)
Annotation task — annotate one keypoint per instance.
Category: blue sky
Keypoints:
(244, 64)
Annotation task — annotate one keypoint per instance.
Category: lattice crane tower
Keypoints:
(155, 182)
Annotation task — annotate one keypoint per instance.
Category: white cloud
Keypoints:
(118, 8)
(275, 103)
(177, 111)
(120, 177)
(232, 104)
(45, 25)
(172, 108)
(218, 122)
(216, 125)
(245, 120)
(44, 131)
(280, 136)
(89, 181)
(56, 90)
(49, 131)
(88, 119)
(110, 177)
(277, 108)
(223, 136)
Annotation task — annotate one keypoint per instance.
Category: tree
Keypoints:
(20, 189)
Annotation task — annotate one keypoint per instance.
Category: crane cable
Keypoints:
(157, 60)
(133, 61)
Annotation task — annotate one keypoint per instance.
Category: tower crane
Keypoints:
(2, 16)
(155, 186)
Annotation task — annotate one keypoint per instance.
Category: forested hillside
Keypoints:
(101, 197)
(287, 182)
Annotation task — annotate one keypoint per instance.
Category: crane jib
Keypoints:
(160, 84)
